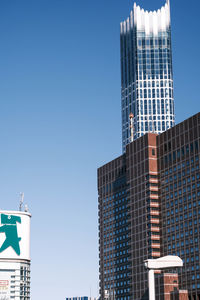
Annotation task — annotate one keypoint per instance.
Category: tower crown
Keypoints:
(152, 21)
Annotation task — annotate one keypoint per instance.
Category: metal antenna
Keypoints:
(26, 208)
(131, 126)
(148, 123)
(21, 201)
(153, 126)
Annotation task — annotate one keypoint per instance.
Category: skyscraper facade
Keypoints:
(146, 72)
(149, 207)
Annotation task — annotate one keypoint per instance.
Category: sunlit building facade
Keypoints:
(146, 72)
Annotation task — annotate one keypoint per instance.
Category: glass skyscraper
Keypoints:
(146, 73)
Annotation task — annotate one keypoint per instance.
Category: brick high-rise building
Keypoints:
(149, 206)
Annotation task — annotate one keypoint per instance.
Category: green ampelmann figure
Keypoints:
(9, 227)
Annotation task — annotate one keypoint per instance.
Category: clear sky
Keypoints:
(60, 119)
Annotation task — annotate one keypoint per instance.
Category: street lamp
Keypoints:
(164, 262)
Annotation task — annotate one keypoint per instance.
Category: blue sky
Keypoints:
(60, 120)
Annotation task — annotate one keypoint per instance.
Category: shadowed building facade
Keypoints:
(179, 177)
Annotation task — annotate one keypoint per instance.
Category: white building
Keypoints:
(15, 255)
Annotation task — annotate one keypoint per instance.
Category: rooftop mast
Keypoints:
(131, 116)
(21, 201)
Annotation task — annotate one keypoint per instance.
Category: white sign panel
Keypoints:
(15, 235)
